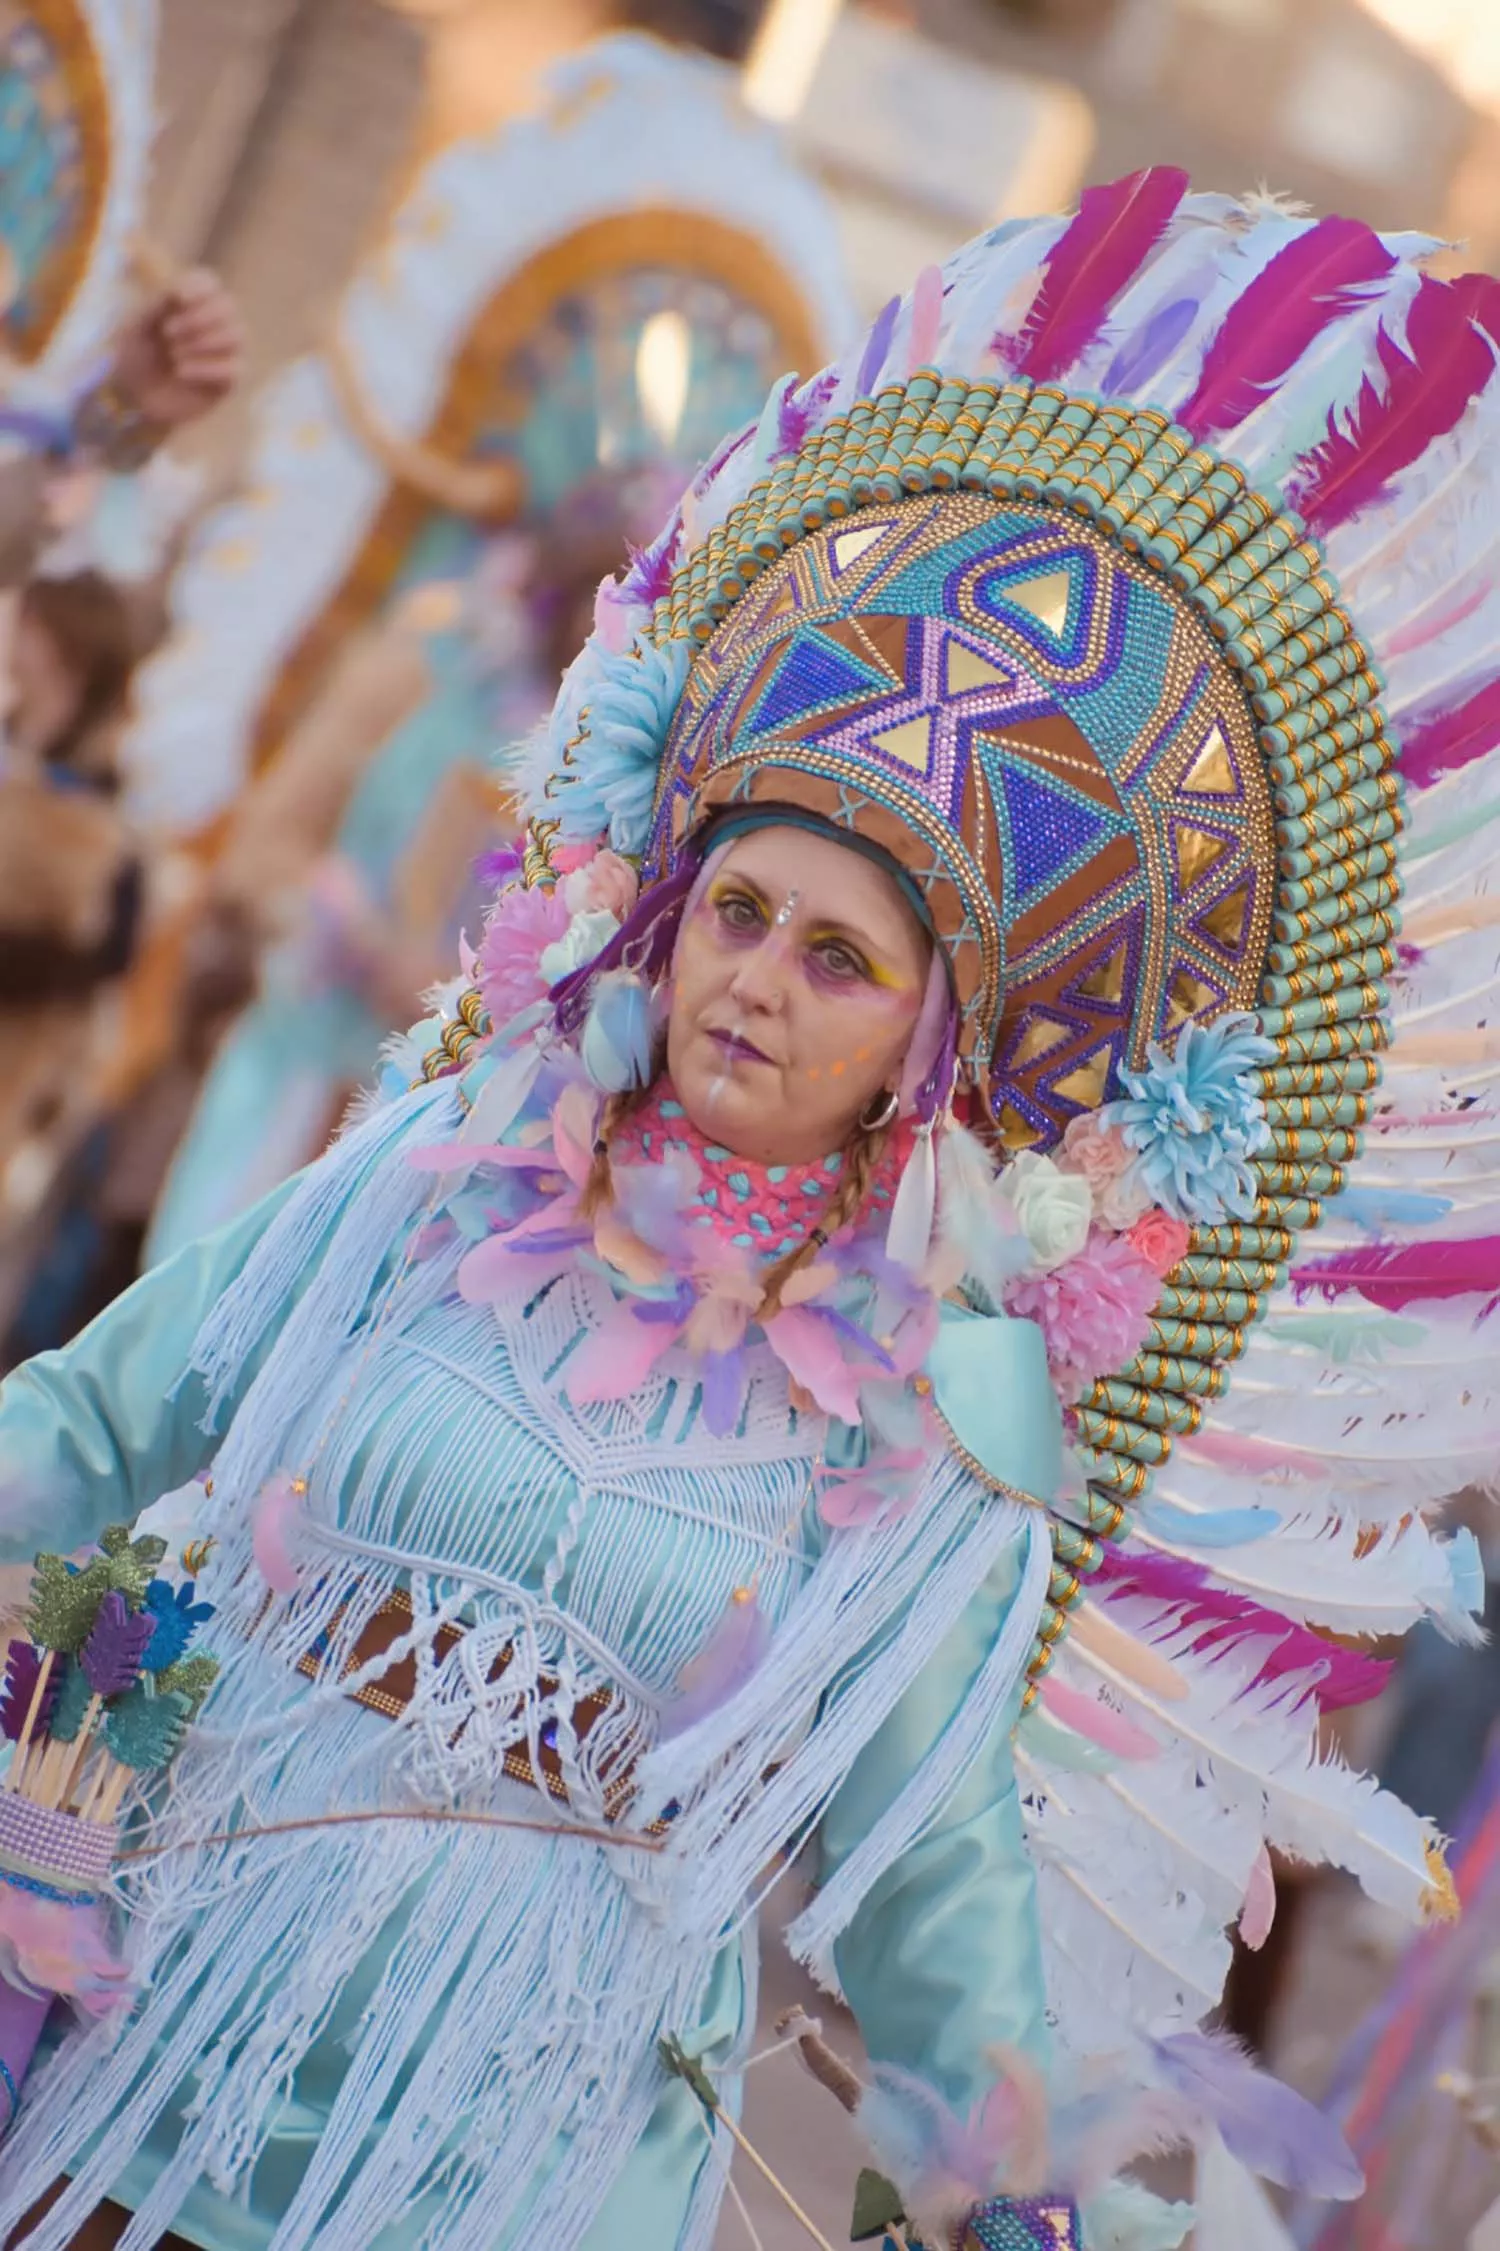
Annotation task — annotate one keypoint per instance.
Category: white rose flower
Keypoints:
(1055, 1208)
(579, 943)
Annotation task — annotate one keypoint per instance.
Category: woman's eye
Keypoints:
(739, 913)
(840, 961)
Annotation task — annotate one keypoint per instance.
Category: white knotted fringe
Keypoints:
(510, 2037)
(811, 1936)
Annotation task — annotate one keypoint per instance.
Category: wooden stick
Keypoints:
(627, 1843)
(81, 1750)
(766, 2174)
(23, 1740)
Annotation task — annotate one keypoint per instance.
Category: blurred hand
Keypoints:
(15, 1593)
(184, 353)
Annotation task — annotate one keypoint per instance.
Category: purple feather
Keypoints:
(1418, 397)
(1116, 230)
(111, 1657)
(23, 1662)
(802, 411)
(1219, 1619)
(724, 1375)
(650, 574)
(1271, 2130)
(645, 941)
(1318, 278)
(733, 1652)
(1394, 1275)
(494, 870)
(1144, 354)
(1449, 739)
(877, 344)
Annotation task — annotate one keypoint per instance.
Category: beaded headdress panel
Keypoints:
(1046, 654)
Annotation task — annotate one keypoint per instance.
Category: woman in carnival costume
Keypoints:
(767, 1382)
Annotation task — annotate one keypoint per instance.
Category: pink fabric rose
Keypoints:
(1093, 1311)
(518, 933)
(1103, 1156)
(1160, 1239)
(607, 885)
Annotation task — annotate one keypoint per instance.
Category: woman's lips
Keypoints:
(738, 1048)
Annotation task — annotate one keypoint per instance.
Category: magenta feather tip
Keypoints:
(1103, 249)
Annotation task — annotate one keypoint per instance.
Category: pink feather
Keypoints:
(1116, 229)
(1448, 739)
(1422, 391)
(1314, 280)
(1219, 1618)
(1259, 1911)
(272, 1518)
(1096, 1722)
(502, 1263)
(612, 621)
(926, 318)
(1247, 1456)
(1394, 1275)
(733, 1652)
(618, 1356)
(55, 1948)
(808, 1349)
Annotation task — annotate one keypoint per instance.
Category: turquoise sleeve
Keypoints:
(94, 1433)
(942, 1961)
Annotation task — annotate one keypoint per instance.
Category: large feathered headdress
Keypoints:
(1124, 587)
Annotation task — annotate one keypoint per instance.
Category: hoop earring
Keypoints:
(886, 1115)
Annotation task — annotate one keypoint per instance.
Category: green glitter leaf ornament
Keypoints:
(131, 1564)
(676, 2060)
(877, 2206)
(65, 1601)
(143, 1730)
(74, 1697)
(191, 1677)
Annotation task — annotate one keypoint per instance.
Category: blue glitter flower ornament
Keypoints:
(1195, 1118)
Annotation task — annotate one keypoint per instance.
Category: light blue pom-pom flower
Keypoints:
(1195, 1118)
(609, 779)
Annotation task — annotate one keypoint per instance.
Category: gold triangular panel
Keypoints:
(848, 546)
(911, 742)
(1014, 1130)
(1224, 922)
(1188, 996)
(1107, 982)
(1198, 850)
(1047, 598)
(966, 668)
(1039, 1038)
(1212, 772)
(1085, 1086)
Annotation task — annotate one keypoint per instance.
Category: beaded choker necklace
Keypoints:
(767, 1209)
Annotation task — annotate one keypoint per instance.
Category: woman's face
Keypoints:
(798, 980)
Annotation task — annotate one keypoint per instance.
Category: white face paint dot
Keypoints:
(784, 913)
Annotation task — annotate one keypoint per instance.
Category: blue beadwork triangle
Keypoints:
(814, 675)
(1052, 829)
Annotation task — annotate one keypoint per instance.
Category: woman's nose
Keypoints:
(759, 980)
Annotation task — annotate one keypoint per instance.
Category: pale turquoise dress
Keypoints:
(940, 1961)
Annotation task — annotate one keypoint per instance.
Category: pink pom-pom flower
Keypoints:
(508, 965)
(1093, 1310)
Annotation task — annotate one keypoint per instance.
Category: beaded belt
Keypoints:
(392, 1691)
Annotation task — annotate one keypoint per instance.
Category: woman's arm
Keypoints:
(92, 1434)
(942, 1961)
